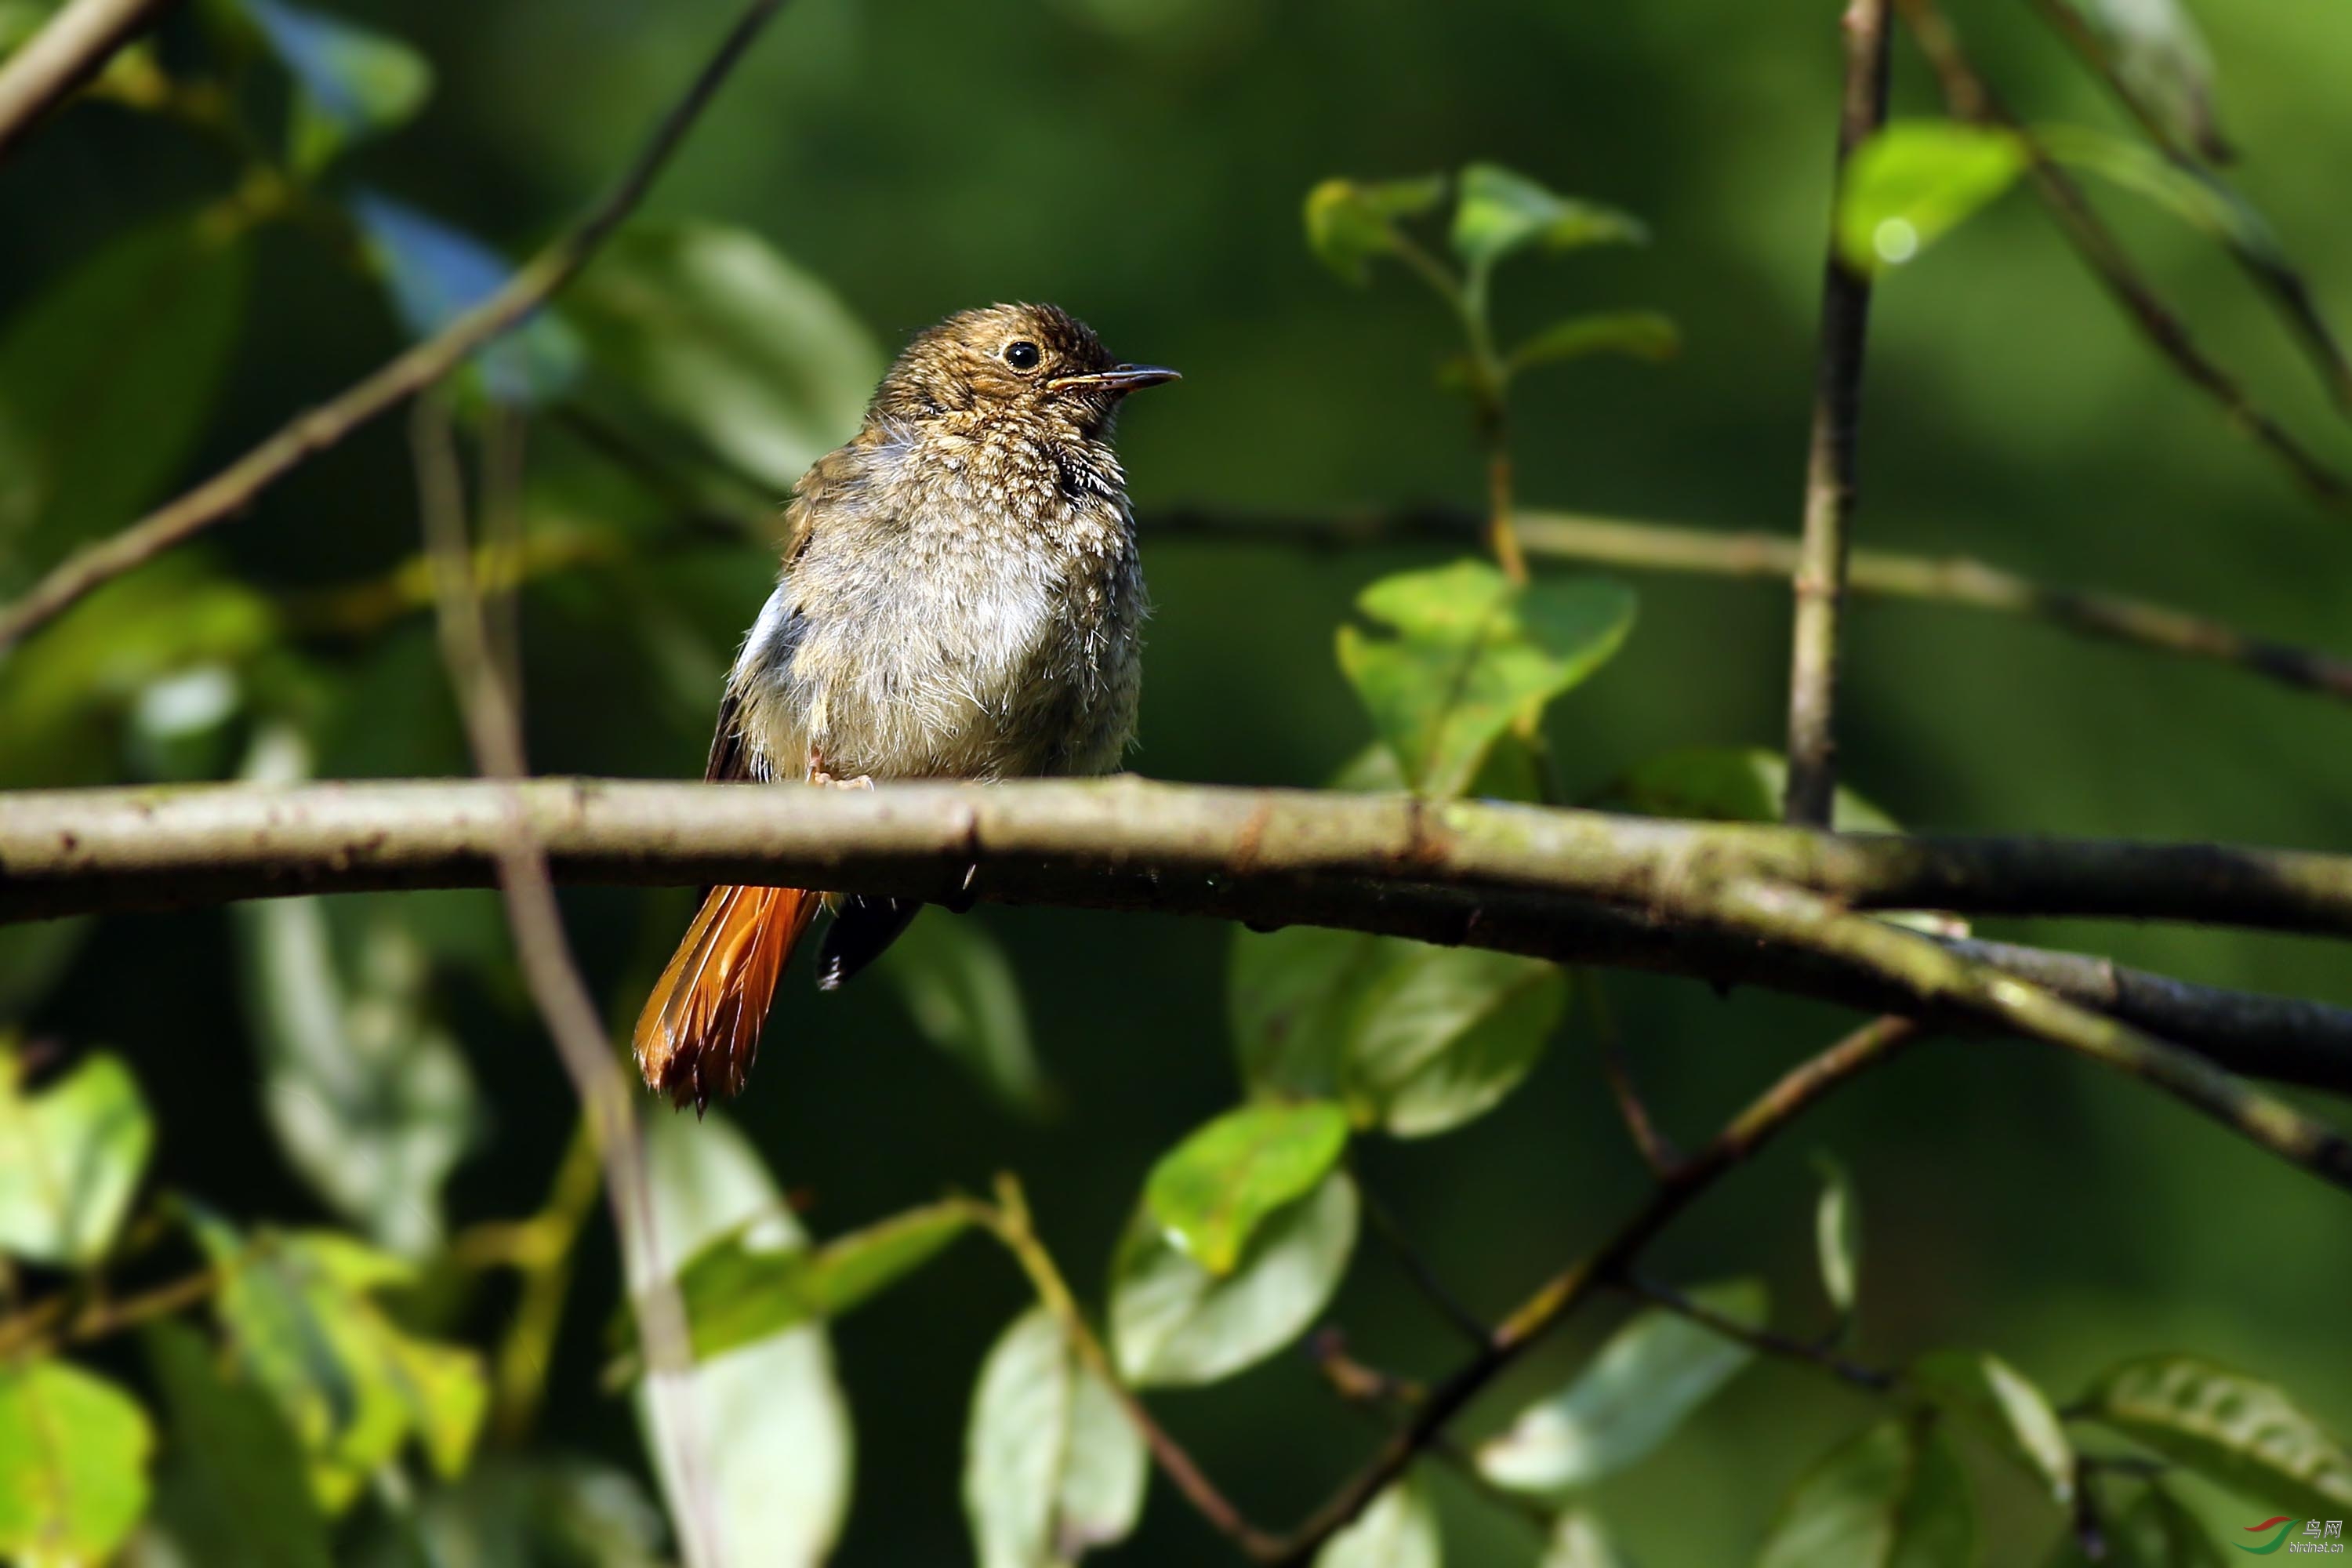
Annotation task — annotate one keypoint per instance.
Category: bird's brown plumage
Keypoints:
(959, 598)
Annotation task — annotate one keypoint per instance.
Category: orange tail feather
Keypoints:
(700, 1028)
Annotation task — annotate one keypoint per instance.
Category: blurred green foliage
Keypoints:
(265, 200)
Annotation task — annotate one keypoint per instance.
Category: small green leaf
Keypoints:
(1349, 222)
(2241, 1433)
(742, 1286)
(704, 337)
(351, 83)
(1501, 211)
(1578, 1541)
(232, 1488)
(1837, 1237)
(107, 382)
(2008, 1411)
(73, 1465)
(1894, 1497)
(966, 999)
(1052, 1466)
(1642, 334)
(1473, 656)
(70, 1159)
(1916, 180)
(2162, 59)
(1398, 1531)
(1727, 784)
(1210, 1192)
(436, 273)
(1173, 1322)
(766, 1427)
(1637, 1391)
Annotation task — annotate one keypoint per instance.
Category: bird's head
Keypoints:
(1015, 361)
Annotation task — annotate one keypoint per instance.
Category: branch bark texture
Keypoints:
(73, 46)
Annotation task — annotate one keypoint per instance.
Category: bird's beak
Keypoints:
(1119, 379)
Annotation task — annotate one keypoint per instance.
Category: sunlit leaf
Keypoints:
(2236, 1430)
(1916, 180)
(767, 1426)
(1053, 1468)
(1501, 211)
(751, 1282)
(1894, 1497)
(1641, 334)
(232, 1488)
(705, 335)
(1469, 656)
(1210, 1192)
(1632, 1396)
(1349, 222)
(1837, 1237)
(436, 273)
(1997, 1401)
(351, 83)
(1578, 1541)
(299, 1311)
(107, 381)
(1398, 1531)
(73, 1465)
(71, 1154)
(966, 999)
(2161, 58)
(1173, 1322)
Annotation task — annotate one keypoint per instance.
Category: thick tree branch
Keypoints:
(1820, 579)
(235, 488)
(70, 49)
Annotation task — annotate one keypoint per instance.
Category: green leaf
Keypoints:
(1398, 1531)
(1210, 1192)
(2006, 1409)
(526, 1512)
(1637, 1391)
(704, 335)
(70, 1158)
(1917, 180)
(2161, 58)
(232, 1488)
(1894, 1497)
(1578, 1541)
(367, 1090)
(1837, 1237)
(742, 1286)
(2154, 1533)
(1349, 222)
(1500, 212)
(1727, 784)
(1470, 657)
(436, 273)
(351, 84)
(964, 996)
(73, 1465)
(1052, 1466)
(767, 1424)
(1173, 1322)
(2236, 1430)
(1642, 334)
(353, 1385)
(107, 381)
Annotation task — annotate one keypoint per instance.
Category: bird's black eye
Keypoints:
(1022, 355)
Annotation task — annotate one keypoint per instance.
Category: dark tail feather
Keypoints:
(700, 1028)
(861, 928)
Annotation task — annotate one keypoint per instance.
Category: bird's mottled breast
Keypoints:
(962, 603)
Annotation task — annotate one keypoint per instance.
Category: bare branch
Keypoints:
(71, 48)
(1820, 579)
(235, 488)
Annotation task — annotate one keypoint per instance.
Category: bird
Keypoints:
(960, 597)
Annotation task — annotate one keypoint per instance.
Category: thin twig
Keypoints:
(1748, 1132)
(607, 1102)
(1970, 96)
(1766, 1341)
(1418, 1268)
(71, 48)
(236, 487)
(1820, 581)
(1658, 1152)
